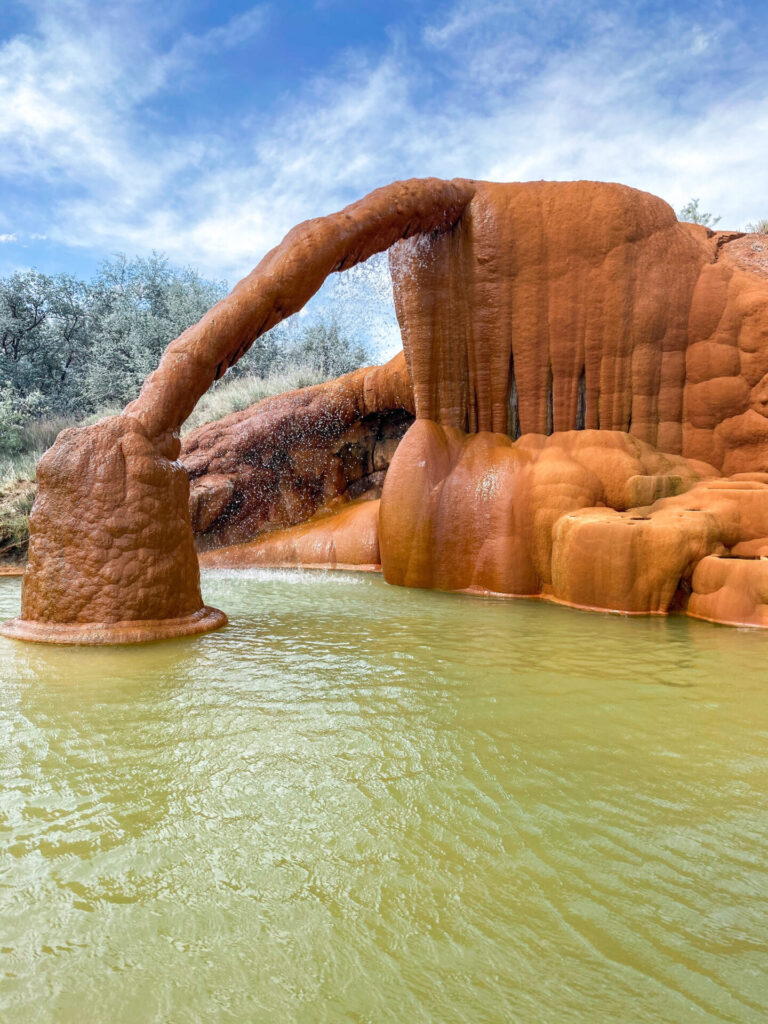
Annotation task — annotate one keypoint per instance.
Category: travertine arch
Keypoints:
(601, 309)
(283, 282)
(111, 555)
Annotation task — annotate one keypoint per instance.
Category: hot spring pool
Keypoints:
(364, 804)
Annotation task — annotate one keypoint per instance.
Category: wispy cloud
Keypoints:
(7, 238)
(235, 32)
(185, 54)
(657, 97)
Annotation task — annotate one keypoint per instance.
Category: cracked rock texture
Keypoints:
(279, 462)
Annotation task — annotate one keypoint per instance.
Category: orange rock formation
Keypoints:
(584, 368)
(340, 538)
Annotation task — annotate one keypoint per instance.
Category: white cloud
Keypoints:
(7, 238)
(237, 31)
(500, 90)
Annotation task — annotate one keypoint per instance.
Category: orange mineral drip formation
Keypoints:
(571, 299)
(554, 306)
(584, 367)
(590, 384)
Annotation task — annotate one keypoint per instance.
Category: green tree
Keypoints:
(324, 347)
(137, 307)
(70, 348)
(24, 307)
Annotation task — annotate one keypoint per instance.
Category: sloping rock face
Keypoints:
(343, 538)
(279, 462)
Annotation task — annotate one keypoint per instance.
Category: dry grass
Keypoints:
(40, 434)
(18, 467)
(231, 396)
(16, 499)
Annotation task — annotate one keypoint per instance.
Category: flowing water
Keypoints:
(364, 804)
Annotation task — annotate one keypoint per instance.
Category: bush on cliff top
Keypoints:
(693, 215)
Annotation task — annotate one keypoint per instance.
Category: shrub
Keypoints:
(16, 412)
(691, 213)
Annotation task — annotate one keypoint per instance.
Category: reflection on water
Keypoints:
(360, 803)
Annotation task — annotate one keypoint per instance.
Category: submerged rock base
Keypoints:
(111, 554)
(137, 631)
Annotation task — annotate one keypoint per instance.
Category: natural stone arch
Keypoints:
(636, 349)
(111, 554)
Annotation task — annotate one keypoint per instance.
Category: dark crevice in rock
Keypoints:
(581, 402)
(513, 417)
(722, 238)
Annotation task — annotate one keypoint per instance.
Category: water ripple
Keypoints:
(362, 803)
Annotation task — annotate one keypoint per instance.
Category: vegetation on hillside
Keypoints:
(72, 349)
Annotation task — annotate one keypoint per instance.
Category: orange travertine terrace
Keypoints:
(589, 379)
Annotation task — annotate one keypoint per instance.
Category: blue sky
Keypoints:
(207, 129)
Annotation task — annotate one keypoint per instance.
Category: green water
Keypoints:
(365, 804)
